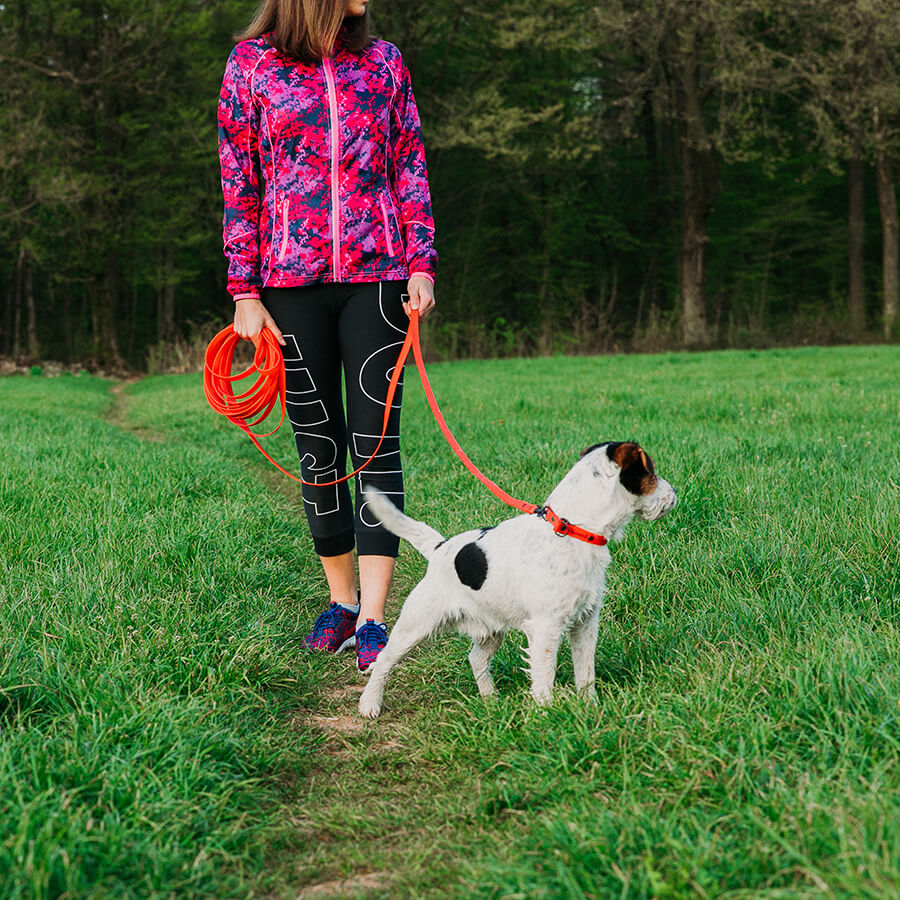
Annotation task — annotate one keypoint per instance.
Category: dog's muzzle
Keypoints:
(657, 504)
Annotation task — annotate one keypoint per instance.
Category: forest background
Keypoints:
(636, 175)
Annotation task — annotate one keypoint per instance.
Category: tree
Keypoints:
(113, 164)
(38, 188)
(639, 173)
(506, 95)
(691, 63)
(847, 59)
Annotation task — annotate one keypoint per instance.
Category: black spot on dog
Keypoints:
(471, 566)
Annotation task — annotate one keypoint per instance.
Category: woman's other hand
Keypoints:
(250, 317)
(421, 296)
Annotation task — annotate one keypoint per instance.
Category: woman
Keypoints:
(329, 238)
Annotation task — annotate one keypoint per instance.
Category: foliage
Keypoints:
(587, 166)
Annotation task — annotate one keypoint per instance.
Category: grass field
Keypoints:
(163, 735)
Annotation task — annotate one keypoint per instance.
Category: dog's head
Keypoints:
(629, 477)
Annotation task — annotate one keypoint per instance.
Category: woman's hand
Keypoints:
(250, 317)
(421, 296)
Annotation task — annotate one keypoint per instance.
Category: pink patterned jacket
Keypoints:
(323, 170)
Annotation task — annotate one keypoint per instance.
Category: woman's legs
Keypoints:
(375, 574)
(374, 581)
(361, 326)
(371, 330)
(307, 317)
(340, 573)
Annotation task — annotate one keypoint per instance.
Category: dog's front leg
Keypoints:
(543, 645)
(419, 618)
(583, 640)
(480, 659)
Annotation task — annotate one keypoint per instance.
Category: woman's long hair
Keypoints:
(308, 29)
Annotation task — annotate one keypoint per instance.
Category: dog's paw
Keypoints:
(542, 698)
(369, 708)
(485, 686)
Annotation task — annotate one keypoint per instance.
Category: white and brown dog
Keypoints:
(521, 574)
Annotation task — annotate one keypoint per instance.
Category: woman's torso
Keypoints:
(328, 209)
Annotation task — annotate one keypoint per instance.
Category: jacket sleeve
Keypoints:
(410, 181)
(238, 120)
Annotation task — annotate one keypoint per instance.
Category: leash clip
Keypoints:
(560, 525)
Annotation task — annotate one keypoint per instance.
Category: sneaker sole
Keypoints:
(350, 642)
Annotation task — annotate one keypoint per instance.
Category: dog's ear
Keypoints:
(637, 474)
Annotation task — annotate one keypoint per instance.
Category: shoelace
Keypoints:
(328, 620)
(369, 635)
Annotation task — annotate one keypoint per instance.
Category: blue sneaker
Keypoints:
(335, 630)
(370, 640)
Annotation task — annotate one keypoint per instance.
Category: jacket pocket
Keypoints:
(387, 226)
(284, 231)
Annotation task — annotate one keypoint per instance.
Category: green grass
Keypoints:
(163, 735)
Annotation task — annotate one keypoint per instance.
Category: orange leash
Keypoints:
(495, 489)
(269, 389)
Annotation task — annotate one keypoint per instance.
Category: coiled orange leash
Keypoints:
(269, 389)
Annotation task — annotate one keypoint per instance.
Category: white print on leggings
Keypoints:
(377, 371)
(319, 452)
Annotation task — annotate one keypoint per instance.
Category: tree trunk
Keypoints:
(104, 296)
(132, 321)
(68, 324)
(699, 172)
(694, 331)
(887, 201)
(856, 260)
(17, 309)
(34, 350)
(473, 246)
(651, 288)
(5, 322)
(165, 321)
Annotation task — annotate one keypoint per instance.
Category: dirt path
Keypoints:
(117, 414)
(346, 736)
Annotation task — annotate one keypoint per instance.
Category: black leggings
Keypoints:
(359, 326)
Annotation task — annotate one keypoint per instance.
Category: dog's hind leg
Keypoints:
(543, 646)
(480, 657)
(418, 619)
(583, 640)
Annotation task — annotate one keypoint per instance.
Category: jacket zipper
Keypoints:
(284, 230)
(387, 226)
(335, 149)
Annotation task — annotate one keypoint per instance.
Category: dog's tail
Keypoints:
(423, 537)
